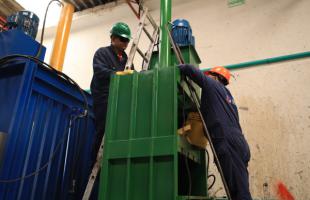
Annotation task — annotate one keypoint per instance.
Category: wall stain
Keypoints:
(258, 148)
(243, 108)
(272, 136)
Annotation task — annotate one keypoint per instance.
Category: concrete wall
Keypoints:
(273, 100)
(274, 106)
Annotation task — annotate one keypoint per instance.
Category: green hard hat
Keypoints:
(121, 29)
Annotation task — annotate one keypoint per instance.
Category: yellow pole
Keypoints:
(62, 35)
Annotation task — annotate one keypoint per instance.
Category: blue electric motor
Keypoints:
(26, 21)
(182, 33)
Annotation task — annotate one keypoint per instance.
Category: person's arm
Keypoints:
(194, 74)
(101, 69)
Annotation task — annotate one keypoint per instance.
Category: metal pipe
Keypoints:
(165, 49)
(267, 61)
(62, 35)
(260, 62)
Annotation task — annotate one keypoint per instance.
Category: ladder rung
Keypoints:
(148, 34)
(150, 50)
(136, 40)
(142, 54)
(151, 20)
(152, 36)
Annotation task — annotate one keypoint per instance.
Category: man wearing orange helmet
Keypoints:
(221, 116)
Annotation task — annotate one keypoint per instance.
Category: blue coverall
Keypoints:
(221, 116)
(105, 63)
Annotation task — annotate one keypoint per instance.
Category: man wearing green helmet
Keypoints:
(106, 62)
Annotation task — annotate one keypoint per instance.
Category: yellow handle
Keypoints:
(125, 72)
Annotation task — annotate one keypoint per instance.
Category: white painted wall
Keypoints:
(274, 100)
(274, 106)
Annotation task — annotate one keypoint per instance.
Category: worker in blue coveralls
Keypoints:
(106, 62)
(221, 116)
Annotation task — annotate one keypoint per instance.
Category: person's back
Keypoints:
(219, 106)
(221, 116)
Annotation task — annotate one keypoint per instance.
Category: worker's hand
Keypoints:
(181, 65)
(125, 72)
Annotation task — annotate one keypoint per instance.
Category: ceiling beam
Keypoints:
(74, 3)
(92, 3)
(83, 3)
(9, 7)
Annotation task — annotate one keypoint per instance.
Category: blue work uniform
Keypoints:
(105, 63)
(221, 116)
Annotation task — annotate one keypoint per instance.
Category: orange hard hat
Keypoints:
(221, 71)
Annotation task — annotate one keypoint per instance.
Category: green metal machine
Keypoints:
(144, 157)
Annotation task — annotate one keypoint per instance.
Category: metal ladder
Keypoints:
(94, 173)
(153, 38)
(146, 58)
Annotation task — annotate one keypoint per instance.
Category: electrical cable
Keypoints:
(6, 60)
(14, 57)
(43, 27)
(189, 177)
(77, 158)
(208, 156)
(214, 179)
(185, 157)
(42, 167)
(211, 175)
